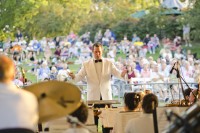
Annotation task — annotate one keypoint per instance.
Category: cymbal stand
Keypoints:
(76, 122)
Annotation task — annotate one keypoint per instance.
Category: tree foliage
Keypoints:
(192, 18)
(44, 17)
(58, 17)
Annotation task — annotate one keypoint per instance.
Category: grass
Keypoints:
(195, 48)
(75, 67)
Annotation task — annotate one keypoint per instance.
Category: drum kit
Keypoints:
(56, 99)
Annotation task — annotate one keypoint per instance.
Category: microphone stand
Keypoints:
(180, 80)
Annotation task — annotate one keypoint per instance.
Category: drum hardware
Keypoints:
(76, 122)
(56, 99)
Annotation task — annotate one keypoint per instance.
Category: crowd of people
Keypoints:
(57, 52)
(98, 72)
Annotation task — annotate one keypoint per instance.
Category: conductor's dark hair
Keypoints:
(97, 44)
(81, 113)
(148, 101)
(131, 100)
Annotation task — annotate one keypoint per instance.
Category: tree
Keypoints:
(192, 18)
(44, 17)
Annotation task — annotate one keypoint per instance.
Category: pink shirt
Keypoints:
(145, 73)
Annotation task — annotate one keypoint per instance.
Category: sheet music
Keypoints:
(90, 120)
(107, 117)
(122, 119)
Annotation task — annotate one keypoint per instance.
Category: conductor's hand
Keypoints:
(71, 74)
(124, 72)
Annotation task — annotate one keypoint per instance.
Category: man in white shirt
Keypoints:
(186, 35)
(98, 71)
(19, 108)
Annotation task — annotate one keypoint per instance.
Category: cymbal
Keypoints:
(56, 99)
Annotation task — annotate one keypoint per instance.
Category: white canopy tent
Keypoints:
(175, 4)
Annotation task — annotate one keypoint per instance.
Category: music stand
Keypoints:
(101, 104)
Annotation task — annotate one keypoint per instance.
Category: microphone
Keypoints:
(172, 68)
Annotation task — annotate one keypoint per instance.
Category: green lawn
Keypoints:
(74, 67)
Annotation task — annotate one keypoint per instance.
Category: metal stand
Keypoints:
(180, 81)
(155, 122)
(76, 122)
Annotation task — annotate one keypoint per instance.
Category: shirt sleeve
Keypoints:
(81, 74)
(115, 72)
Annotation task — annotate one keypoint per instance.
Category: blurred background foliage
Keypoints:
(52, 18)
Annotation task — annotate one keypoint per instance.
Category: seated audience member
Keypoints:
(135, 125)
(57, 52)
(19, 108)
(63, 73)
(54, 73)
(158, 78)
(131, 101)
(44, 71)
(81, 114)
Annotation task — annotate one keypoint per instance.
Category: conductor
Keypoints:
(98, 71)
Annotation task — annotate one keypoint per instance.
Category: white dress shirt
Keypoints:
(98, 68)
(19, 108)
(96, 86)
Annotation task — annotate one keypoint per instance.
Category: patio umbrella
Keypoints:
(140, 14)
(171, 12)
